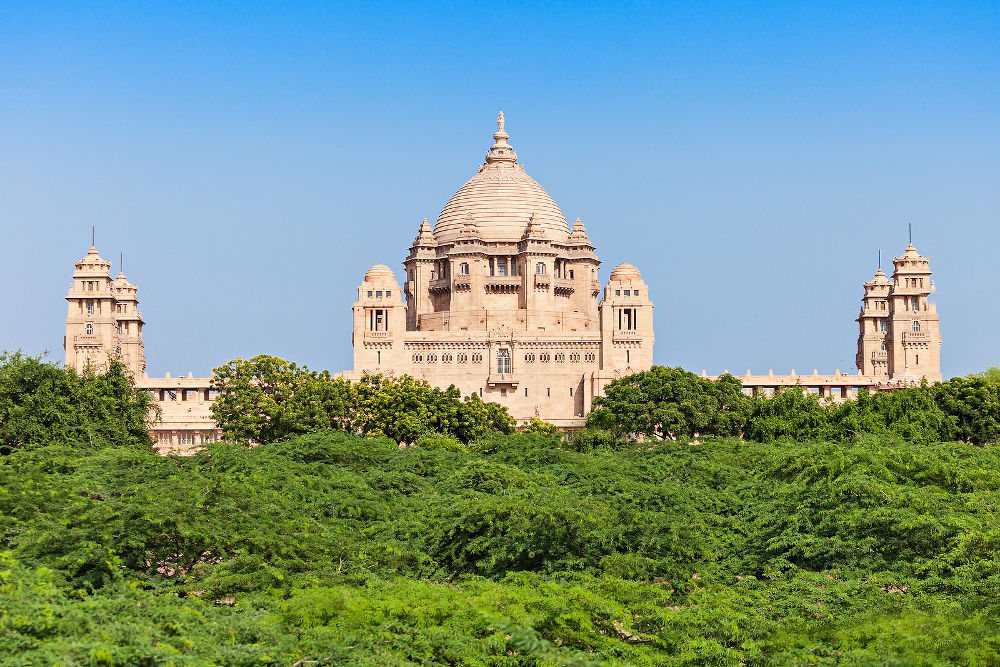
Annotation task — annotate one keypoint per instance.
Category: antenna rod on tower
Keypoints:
(880, 259)
(121, 262)
(92, 235)
(910, 225)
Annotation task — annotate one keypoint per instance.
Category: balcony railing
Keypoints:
(565, 285)
(619, 334)
(505, 284)
(378, 334)
(440, 285)
(501, 378)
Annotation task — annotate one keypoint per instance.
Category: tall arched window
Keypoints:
(90, 329)
(916, 325)
(540, 268)
(503, 361)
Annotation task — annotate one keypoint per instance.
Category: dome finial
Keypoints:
(501, 151)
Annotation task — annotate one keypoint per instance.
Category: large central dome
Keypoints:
(500, 200)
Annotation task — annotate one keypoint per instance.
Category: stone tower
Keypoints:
(873, 325)
(103, 318)
(626, 321)
(914, 335)
(899, 339)
(379, 322)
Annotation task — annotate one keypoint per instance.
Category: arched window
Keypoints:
(463, 269)
(916, 325)
(503, 361)
(90, 329)
(540, 268)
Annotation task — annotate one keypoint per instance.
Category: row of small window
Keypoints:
(184, 394)
(380, 293)
(92, 285)
(884, 326)
(574, 357)
(628, 292)
(89, 328)
(448, 357)
(913, 303)
(185, 438)
(548, 392)
(496, 269)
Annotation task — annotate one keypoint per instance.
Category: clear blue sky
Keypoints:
(253, 160)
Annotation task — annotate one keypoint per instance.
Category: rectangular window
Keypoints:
(628, 292)
(378, 294)
(502, 268)
(90, 307)
(388, 293)
(618, 292)
(571, 274)
(571, 391)
(369, 294)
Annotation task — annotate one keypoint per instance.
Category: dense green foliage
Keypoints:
(510, 549)
(265, 399)
(672, 402)
(41, 403)
(336, 548)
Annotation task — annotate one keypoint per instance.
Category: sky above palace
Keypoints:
(253, 160)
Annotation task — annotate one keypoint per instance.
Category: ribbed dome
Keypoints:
(625, 273)
(500, 199)
(379, 272)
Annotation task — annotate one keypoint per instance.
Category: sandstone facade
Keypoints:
(501, 298)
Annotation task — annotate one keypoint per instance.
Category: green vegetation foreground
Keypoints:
(509, 549)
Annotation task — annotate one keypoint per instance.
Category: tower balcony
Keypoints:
(620, 334)
(502, 284)
(502, 380)
(439, 286)
(565, 285)
(378, 335)
(916, 336)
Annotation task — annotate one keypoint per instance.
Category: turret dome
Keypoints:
(379, 273)
(501, 198)
(625, 273)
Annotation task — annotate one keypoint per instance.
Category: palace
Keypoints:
(501, 298)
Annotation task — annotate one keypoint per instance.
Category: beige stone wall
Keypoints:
(186, 418)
